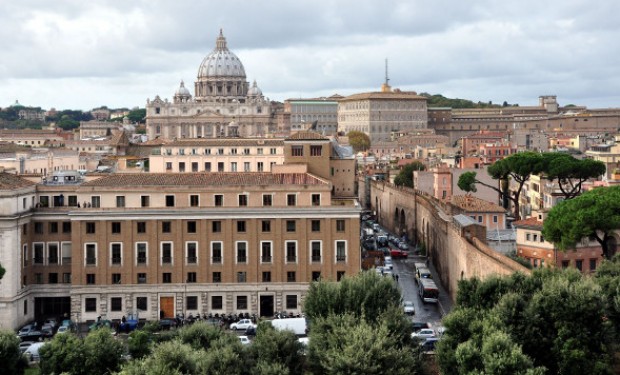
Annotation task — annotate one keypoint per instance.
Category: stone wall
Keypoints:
(426, 220)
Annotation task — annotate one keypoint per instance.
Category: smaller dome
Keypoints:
(254, 90)
(182, 90)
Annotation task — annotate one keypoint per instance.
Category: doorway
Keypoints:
(166, 307)
(266, 306)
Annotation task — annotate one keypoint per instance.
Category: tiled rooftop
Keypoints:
(531, 222)
(205, 178)
(306, 136)
(473, 204)
(10, 181)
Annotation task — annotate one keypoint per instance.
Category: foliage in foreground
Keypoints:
(551, 322)
(10, 355)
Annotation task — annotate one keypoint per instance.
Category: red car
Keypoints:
(397, 253)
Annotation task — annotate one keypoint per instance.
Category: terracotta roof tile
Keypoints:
(10, 181)
(306, 136)
(473, 204)
(206, 178)
(531, 222)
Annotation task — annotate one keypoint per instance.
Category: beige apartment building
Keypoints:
(304, 112)
(168, 243)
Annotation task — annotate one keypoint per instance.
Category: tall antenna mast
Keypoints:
(385, 87)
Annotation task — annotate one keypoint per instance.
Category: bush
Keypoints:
(11, 358)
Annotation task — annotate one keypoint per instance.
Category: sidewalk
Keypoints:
(445, 303)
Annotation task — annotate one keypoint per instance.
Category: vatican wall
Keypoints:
(425, 220)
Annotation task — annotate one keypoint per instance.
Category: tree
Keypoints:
(64, 353)
(200, 335)
(10, 355)
(594, 214)
(518, 167)
(2, 271)
(138, 344)
(348, 344)
(278, 347)
(170, 357)
(405, 176)
(571, 173)
(550, 322)
(358, 140)
(137, 115)
(102, 352)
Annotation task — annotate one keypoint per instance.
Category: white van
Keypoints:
(32, 353)
(299, 326)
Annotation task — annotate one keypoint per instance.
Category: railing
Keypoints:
(291, 258)
(116, 260)
(341, 258)
(166, 260)
(316, 258)
(66, 260)
(91, 261)
(192, 260)
(266, 259)
(242, 259)
(141, 260)
(216, 259)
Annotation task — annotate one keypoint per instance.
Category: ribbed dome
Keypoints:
(182, 90)
(221, 62)
(254, 90)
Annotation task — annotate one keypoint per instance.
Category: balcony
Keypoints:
(341, 258)
(266, 259)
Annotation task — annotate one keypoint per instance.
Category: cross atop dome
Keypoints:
(220, 43)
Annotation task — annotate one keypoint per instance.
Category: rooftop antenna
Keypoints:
(386, 86)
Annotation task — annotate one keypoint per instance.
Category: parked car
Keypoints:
(408, 308)
(167, 323)
(47, 332)
(63, 329)
(100, 323)
(424, 333)
(32, 352)
(25, 345)
(419, 325)
(244, 340)
(398, 253)
(243, 324)
(250, 331)
(25, 330)
(428, 345)
(403, 246)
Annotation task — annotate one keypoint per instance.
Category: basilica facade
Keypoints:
(224, 103)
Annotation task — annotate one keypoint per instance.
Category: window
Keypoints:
(341, 251)
(241, 277)
(579, 264)
(266, 276)
(90, 253)
(267, 199)
(243, 200)
(265, 251)
(142, 303)
(266, 225)
(168, 166)
(142, 278)
(116, 304)
(191, 277)
(66, 278)
(194, 200)
(316, 275)
(95, 201)
(260, 167)
(217, 277)
(272, 151)
(191, 227)
(535, 237)
(339, 275)
(38, 251)
(208, 166)
(216, 252)
(290, 276)
(116, 253)
(592, 264)
(495, 218)
(315, 248)
(169, 200)
(315, 150)
(216, 302)
(528, 237)
(242, 302)
(116, 278)
(290, 225)
(38, 228)
(116, 227)
(241, 226)
(166, 227)
(316, 225)
(25, 229)
(291, 301)
(120, 201)
(216, 226)
(90, 227)
(218, 200)
(90, 278)
(242, 252)
(246, 166)
(316, 199)
(53, 227)
(66, 227)
(141, 252)
(194, 166)
(52, 253)
(38, 278)
(340, 226)
(166, 277)
(181, 164)
(565, 263)
(52, 278)
(191, 251)
(291, 200)
(233, 166)
(25, 256)
(297, 150)
(191, 302)
(220, 166)
(141, 227)
(90, 304)
(145, 201)
(166, 253)
(291, 251)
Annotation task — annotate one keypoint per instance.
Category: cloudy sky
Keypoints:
(76, 54)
